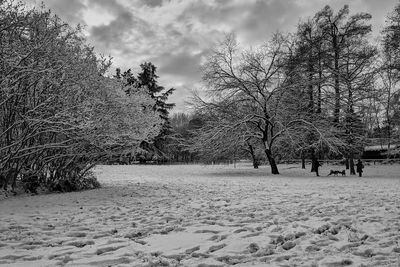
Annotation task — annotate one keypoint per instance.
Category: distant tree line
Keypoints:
(322, 91)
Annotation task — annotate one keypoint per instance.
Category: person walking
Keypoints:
(316, 165)
(360, 167)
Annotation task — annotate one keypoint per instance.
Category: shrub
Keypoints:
(74, 183)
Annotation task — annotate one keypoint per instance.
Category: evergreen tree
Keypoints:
(147, 78)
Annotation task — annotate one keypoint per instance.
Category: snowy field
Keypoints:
(209, 216)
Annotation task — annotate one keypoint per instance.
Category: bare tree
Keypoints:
(258, 83)
(221, 137)
(390, 77)
(348, 59)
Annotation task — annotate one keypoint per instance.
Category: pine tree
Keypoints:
(147, 78)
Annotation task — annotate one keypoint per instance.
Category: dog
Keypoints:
(336, 173)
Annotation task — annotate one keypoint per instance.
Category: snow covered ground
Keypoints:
(195, 215)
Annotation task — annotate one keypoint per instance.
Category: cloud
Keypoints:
(176, 34)
(70, 11)
(122, 34)
(112, 32)
(267, 17)
(380, 10)
(185, 65)
(152, 3)
(113, 6)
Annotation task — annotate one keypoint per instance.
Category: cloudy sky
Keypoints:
(176, 35)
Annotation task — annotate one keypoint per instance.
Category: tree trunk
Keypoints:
(346, 162)
(310, 84)
(313, 160)
(253, 156)
(271, 160)
(389, 121)
(303, 160)
(389, 141)
(319, 100)
(352, 170)
(351, 101)
(336, 112)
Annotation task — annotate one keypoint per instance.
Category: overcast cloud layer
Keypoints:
(176, 35)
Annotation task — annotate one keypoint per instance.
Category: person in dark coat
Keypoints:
(360, 167)
(316, 166)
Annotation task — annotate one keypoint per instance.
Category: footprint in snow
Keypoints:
(107, 249)
(206, 232)
(76, 234)
(216, 247)
(191, 250)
